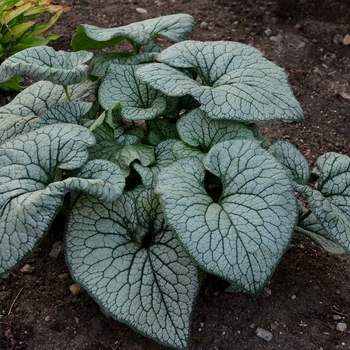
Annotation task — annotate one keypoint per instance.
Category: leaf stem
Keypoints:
(304, 216)
(65, 88)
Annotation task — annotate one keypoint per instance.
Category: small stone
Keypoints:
(276, 39)
(346, 40)
(75, 289)
(341, 327)
(211, 27)
(204, 25)
(298, 26)
(268, 32)
(263, 334)
(63, 276)
(267, 291)
(336, 317)
(57, 248)
(337, 39)
(294, 297)
(47, 318)
(27, 269)
(346, 96)
(141, 10)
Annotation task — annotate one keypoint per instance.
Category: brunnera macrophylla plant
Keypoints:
(164, 174)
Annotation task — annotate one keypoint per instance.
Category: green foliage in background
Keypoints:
(20, 29)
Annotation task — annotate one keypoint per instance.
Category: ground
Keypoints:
(310, 290)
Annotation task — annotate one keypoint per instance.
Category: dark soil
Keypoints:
(310, 291)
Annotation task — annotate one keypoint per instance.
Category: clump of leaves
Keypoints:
(20, 30)
(167, 175)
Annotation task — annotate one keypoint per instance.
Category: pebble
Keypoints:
(268, 32)
(294, 297)
(341, 327)
(337, 39)
(27, 269)
(276, 39)
(267, 291)
(63, 276)
(57, 248)
(336, 317)
(204, 25)
(75, 289)
(346, 40)
(47, 318)
(263, 334)
(141, 10)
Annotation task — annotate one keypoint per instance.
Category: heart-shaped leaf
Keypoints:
(311, 227)
(331, 202)
(32, 189)
(236, 81)
(129, 261)
(294, 162)
(44, 63)
(66, 112)
(242, 237)
(36, 99)
(21, 114)
(137, 100)
(175, 27)
(196, 129)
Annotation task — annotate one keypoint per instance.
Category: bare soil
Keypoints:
(310, 290)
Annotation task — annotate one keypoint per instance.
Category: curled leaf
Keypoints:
(175, 27)
(44, 63)
(32, 189)
(235, 81)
